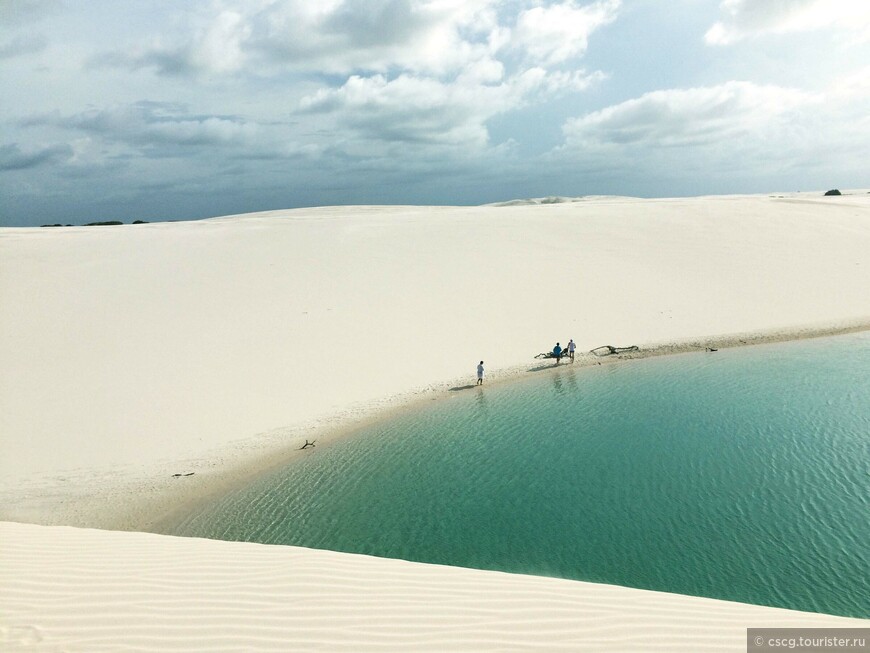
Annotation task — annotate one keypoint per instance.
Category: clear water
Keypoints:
(742, 474)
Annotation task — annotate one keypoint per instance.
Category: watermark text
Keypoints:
(808, 640)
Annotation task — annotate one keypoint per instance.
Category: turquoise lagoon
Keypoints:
(742, 474)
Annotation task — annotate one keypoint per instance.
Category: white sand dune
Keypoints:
(132, 353)
(161, 593)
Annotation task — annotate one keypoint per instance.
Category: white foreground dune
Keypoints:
(88, 590)
(133, 353)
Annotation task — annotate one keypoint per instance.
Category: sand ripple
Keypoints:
(87, 590)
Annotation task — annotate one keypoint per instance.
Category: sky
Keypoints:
(160, 110)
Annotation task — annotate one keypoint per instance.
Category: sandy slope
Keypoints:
(88, 590)
(131, 353)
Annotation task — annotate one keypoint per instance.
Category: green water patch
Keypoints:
(742, 474)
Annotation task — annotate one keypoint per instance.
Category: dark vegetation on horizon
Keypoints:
(109, 223)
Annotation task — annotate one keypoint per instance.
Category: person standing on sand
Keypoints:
(571, 348)
(480, 373)
(557, 353)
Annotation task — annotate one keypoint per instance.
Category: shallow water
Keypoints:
(742, 474)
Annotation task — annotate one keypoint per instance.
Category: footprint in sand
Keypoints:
(19, 635)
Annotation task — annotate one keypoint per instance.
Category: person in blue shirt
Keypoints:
(557, 353)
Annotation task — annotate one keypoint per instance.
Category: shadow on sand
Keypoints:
(463, 387)
(547, 366)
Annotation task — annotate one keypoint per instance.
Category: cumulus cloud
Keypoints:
(216, 45)
(346, 37)
(432, 37)
(747, 18)
(413, 71)
(401, 70)
(13, 158)
(219, 47)
(553, 34)
(407, 109)
(415, 109)
(335, 36)
(737, 130)
(686, 117)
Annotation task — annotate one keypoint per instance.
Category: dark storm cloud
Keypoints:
(154, 123)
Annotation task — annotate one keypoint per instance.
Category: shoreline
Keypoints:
(165, 523)
(156, 502)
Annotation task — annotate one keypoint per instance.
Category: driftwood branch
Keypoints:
(607, 350)
(307, 444)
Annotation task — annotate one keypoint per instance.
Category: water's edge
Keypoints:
(167, 510)
(150, 500)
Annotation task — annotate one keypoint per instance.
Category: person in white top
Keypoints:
(571, 348)
(480, 373)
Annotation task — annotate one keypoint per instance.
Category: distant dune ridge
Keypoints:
(213, 349)
(538, 200)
